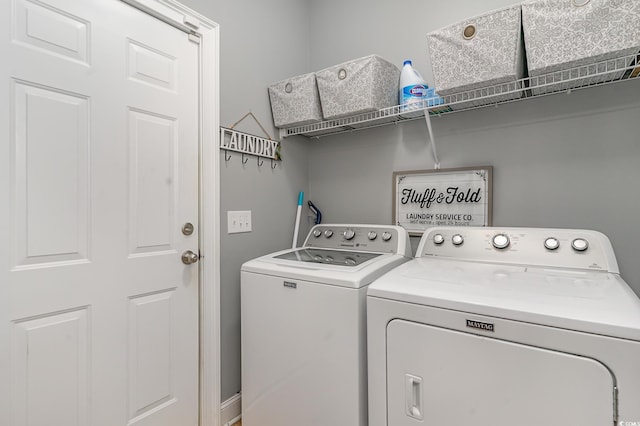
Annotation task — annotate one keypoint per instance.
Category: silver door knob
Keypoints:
(189, 257)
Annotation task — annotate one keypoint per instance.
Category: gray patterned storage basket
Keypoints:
(359, 86)
(564, 34)
(483, 52)
(295, 101)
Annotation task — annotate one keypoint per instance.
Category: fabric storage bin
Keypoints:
(295, 101)
(594, 35)
(362, 85)
(479, 59)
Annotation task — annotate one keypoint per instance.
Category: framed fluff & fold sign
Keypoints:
(442, 197)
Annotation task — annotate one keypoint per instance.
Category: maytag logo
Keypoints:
(485, 326)
(290, 284)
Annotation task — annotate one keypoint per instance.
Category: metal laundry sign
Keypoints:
(442, 197)
(233, 140)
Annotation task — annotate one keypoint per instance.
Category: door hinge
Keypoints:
(194, 38)
(190, 22)
(615, 405)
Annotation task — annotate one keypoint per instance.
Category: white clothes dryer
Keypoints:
(304, 326)
(503, 327)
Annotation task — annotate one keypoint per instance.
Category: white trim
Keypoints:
(233, 421)
(231, 410)
(177, 14)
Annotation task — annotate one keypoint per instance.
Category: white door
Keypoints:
(98, 174)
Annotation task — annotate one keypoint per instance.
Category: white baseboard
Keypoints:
(231, 410)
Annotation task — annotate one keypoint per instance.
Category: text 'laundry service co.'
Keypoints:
(443, 198)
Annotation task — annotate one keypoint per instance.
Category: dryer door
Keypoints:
(437, 376)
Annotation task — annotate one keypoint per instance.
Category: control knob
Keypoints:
(348, 234)
(500, 241)
(580, 244)
(328, 233)
(386, 236)
(317, 233)
(438, 239)
(551, 243)
(372, 235)
(457, 240)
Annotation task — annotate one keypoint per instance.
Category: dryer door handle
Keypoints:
(413, 396)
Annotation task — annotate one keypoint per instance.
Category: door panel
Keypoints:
(151, 384)
(153, 144)
(51, 396)
(154, 67)
(98, 315)
(50, 198)
(438, 376)
(53, 30)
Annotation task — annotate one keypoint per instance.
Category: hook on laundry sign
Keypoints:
(442, 197)
(233, 140)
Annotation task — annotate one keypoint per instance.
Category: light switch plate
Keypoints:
(238, 221)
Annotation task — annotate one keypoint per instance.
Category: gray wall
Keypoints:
(559, 161)
(260, 43)
(551, 168)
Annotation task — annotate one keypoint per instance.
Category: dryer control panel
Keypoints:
(368, 238)
(544, 247)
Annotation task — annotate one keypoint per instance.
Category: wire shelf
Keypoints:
(578, 77)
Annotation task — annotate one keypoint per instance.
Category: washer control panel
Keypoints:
(562, 248)
(373, 238)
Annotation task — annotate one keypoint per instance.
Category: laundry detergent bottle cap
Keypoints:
(413, 89)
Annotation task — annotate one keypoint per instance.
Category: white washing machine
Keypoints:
(304, 326)
(503, 327)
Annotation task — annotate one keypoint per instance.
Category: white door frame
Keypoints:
(180, 16)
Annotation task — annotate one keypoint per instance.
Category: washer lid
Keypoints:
(589, 301)
(345, 255)
(328, 257)
(286, 264)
